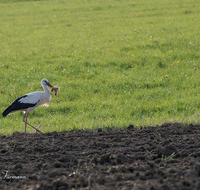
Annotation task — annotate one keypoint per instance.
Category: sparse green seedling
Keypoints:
(170, 157)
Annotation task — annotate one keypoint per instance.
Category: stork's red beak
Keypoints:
(49, 85)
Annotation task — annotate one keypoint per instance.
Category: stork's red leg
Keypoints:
(37, 130)
(25, 121)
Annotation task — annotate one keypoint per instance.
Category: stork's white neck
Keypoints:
(46, 89)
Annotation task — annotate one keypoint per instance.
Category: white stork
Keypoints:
(29, 102)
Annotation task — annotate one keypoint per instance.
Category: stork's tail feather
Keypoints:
(7, 111)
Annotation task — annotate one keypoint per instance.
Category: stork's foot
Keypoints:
(38, 131)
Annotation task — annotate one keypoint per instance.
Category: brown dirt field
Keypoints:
(152, 158)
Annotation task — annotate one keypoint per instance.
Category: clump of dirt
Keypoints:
(163, 157)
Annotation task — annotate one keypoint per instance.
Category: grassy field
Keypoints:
(116, 62)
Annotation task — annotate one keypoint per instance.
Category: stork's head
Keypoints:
(46, 82)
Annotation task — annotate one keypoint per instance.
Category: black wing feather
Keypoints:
(16, 105)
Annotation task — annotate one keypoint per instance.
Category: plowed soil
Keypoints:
(162, 157)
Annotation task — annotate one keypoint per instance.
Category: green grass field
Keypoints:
(116, 62)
